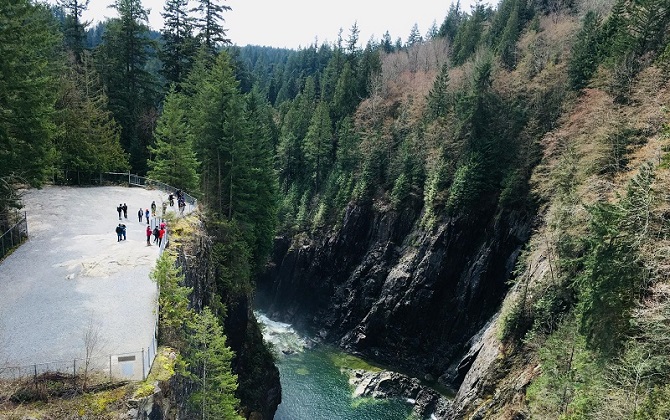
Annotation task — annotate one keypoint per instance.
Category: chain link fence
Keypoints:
(13, 237)
(121, 366)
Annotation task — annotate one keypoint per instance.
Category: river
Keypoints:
(315, 381)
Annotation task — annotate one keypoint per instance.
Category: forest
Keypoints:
(548, 108)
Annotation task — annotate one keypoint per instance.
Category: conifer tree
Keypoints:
(173, 159)
(438, 99)
(318, 146)
(387, 44)
(345, 99)
(452, 21)
(179, 43)
(414, 37)
(210, 365)
(210, 24)
(132, 89)
(222, 142)
(469, 34)
(264, 216)
(584, 60)
(28, 89)
(88, 138)
(74, 29)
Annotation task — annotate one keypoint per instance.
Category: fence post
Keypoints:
(110, 368)
(74, 372)
(143, 372)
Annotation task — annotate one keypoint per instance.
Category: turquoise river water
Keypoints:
(315, 381)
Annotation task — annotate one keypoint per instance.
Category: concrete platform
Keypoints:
(72, 275)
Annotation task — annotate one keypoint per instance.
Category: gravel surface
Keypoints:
(72, 273)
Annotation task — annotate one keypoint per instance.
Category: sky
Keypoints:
(298, 23)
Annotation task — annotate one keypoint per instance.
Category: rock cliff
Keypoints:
(258, 377)
(386, 288)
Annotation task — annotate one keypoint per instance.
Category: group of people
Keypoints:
(158, 232)
(121, 228)
(181, 201)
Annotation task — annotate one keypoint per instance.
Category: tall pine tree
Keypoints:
(132, 89)
(74, 28)
(29, 43)
(210, 24)
(179, 42)
(173, 158)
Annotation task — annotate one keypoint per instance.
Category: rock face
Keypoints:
(383, 287)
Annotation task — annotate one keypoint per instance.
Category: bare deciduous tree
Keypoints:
(93, 343)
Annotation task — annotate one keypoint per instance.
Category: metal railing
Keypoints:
(141, 181)
(14, 236)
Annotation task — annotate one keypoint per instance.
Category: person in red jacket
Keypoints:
(161, 233)
(149, 235)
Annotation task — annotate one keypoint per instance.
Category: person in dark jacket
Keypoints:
(119, 233)
(156, 232)
(140, 214)
(119, 209)
(125, 210)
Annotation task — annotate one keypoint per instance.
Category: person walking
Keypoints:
(119, 233)
(146, 214)
(149, 235)
(125, 210)
(140, 214)
(119, 209)
(156, 233)
(161, 233)
(171, 199)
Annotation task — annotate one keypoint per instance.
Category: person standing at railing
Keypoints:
(161, 233)
(153, 208)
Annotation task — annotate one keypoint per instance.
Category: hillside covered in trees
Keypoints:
(483, 205)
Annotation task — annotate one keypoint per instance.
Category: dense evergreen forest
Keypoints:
(466, 120)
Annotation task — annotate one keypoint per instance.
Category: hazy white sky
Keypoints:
(294, 23)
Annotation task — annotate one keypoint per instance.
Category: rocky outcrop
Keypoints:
(425, 401)
(408, 297)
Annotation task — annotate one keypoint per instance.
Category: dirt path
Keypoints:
(73, 273)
